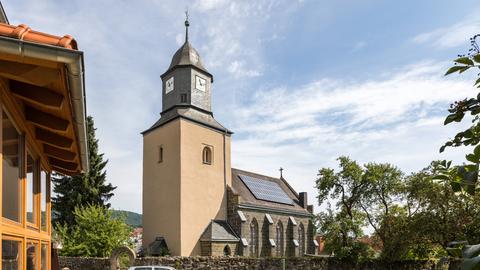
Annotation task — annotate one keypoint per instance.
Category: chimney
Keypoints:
(302, 197)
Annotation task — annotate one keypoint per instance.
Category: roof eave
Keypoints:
(74, 63)
(225, 131)
(274, 210)
(182, 66)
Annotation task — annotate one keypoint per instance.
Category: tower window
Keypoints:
(207, 155)
(183, 98)
(160, 154)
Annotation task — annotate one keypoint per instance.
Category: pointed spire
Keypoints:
(187, 24)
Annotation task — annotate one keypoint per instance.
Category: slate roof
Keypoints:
(3, 15)
(219, 231)
(189, 113)
(248, 199)
(187, 56)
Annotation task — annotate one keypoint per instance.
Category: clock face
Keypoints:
(169, 85)
(200, 83)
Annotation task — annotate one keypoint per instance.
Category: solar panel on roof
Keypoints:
(266, 190)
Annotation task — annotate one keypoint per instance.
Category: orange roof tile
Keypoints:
(23, 32)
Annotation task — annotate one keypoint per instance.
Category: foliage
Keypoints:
(465, 177)
(88, 188)
(94, 233)
(343, 229)
(379, 205)
(131, 218)
(412, 216)
(342, 234)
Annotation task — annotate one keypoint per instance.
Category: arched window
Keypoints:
(301, 239)
(207, 155)
(227, 251)
(279, 239)
(254, 238)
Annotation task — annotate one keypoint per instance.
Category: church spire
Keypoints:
(187, 24)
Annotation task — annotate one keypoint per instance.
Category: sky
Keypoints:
(299, 82)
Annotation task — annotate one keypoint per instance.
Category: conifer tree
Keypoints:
(89, 188)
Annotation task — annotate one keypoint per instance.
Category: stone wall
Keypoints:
(76, 263)
(243, 263)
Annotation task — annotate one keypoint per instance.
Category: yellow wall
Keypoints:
(202, 189)
(182, 195)
(161, 186)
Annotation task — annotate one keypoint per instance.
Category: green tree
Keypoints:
(446, 215)
(381, 204)
(342, 229)
(412, 217)
(342, 234)
(94, 233)
(89, 188)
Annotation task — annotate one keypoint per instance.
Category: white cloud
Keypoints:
(302, 129)
(451, 36)
(397, 118)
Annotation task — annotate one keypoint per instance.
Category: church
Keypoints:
(194, 202)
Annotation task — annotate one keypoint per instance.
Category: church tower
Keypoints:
(186, 158)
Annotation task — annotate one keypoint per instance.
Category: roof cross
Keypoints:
(281, 172)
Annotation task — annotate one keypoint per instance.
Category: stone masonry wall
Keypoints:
(268, 231)
(242, 263)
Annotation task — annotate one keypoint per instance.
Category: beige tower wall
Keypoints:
(161, 186)
(203, 195)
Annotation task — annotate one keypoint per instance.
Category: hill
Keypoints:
(131, 218)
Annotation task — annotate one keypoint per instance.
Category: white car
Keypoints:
(157, 267)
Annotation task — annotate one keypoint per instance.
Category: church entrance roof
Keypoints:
(219, 231)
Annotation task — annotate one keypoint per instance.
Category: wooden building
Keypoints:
(42, 104)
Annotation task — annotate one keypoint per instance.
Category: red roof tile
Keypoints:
(23, 32)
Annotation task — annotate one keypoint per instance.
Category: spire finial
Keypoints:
(187, 24)
(281, 172)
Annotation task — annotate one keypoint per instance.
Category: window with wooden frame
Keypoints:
(44, 256)
(12, 157)
(207, 155)
(32, 255)
(44, 199)
(12, 255)
(32, 190)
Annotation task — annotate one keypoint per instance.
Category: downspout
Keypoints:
(73, 61)
(225, 197)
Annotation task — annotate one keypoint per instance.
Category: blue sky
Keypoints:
(299, 82)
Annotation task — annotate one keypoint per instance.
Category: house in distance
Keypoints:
(193, 201)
